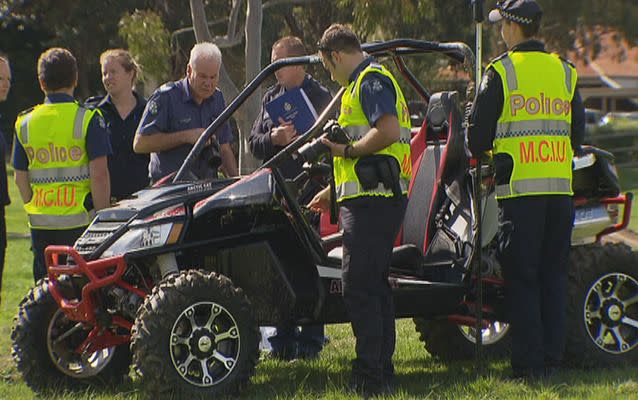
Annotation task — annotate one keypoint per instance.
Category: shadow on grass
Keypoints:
(420, 378)
(416, 378)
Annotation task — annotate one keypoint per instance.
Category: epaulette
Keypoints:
(28, 110)
(499, 57)
(565, 60)
(166, 87)
(92, 101)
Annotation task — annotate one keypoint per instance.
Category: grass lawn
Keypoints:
(629, 182)
(419, 376)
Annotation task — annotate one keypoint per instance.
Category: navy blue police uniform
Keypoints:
(127, 169)
(288, 343)
(261, 145)
(535, 230)
(171, 108)
(4, 199)
(370, 225)
(97, 145)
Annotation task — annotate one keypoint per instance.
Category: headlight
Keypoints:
(145, 237)
(150, 232)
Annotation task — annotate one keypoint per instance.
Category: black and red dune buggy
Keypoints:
(179, 277)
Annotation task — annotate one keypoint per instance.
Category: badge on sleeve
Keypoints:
(376, 85)
(100, 120)
(484, 82)
(152, 107)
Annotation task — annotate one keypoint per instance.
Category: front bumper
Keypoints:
(64, 261)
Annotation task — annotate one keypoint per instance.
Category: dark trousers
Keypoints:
(370, 226)
(291, 342)
(3, 243)
(305, 342)
(535, 267)
(41, 238)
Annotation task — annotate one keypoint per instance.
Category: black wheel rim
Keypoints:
(611, 313)
(205, 344)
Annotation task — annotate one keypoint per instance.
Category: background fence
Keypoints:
(622, 143)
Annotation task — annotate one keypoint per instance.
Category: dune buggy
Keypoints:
(180, 276)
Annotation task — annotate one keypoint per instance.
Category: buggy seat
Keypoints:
(438, 157)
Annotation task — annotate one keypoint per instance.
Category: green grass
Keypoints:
(629, 183)
(419, 376)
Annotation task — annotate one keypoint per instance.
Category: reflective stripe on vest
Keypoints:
(530, 128)
(44, 220)
(530, 186)
(357, 132)
(53, 136)
(77, 125)
(24, 128)
(535, 125)
(53, 175)
(353, 187)
(354, 121)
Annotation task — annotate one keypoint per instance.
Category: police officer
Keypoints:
(372, 174)
(122, 109)
(529, 113)
(266, 140)
(177, 114)
(60, 159)
(5, 85)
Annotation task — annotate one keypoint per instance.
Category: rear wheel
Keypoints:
(602, 314)
(451, 342)
(195, 337)
(44, 348)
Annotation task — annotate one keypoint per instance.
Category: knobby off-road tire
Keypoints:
(450, 342)
(602, 308)
(195, 337)
(602, 313)
(49, 366)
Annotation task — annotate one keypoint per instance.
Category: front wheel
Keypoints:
(195, 337)
(602, 309)
(45, 344)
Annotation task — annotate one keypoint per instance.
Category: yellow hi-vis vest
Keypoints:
(354, 121)
(535, 125)
(54, 137)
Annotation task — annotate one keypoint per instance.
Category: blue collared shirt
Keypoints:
(377, 95)
(261, 145)
(128, 170)
(97, 136)
(172, 109)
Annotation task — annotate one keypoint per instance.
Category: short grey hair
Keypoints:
(205, 50)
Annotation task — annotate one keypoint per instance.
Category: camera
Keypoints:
(208, 161)
(314, 149)
(212, 154)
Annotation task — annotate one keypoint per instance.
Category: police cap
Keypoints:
(523, 12)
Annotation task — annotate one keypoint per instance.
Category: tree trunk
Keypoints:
(254, 17)
(246, 114)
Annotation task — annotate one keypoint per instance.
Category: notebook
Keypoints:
(293, 105)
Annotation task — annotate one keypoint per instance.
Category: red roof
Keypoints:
(614, 60)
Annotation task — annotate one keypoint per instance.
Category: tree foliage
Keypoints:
(89, 27)
(148, 41)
